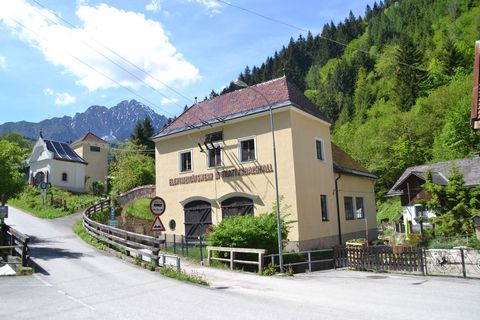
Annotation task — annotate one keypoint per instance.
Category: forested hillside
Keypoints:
(399, 91)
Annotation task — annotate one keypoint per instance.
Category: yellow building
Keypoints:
(94, 151)
(216, 160)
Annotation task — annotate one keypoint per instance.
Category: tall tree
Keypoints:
(454, 204)
(411, 78)
(143, 132)
(11, 166)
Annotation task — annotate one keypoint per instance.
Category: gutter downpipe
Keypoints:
(340, 241)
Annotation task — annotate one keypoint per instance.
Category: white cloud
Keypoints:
(168, 101)
(154, 6)
(211, 5)
(3, 65)
(62, 98)
(137, 39)
(48, 92)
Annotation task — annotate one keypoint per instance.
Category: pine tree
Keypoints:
(411, 79)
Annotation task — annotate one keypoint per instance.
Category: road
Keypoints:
(76, 281)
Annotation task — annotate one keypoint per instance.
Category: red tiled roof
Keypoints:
(89, 137)
(343, 162)
(245, 101)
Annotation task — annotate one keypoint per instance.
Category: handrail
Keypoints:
(233, 251)
(138, 244)
(16, 237)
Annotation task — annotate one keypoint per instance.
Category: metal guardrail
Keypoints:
(17, 243)
(233, 251)
(304, 261)
(133, 244)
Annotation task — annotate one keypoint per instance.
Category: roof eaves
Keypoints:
(340, 169)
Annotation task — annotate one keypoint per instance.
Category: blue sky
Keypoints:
(60, 57)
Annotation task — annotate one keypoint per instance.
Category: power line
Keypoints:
(290, 25)
(122, 58)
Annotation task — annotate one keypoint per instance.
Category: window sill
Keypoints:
(182, 172)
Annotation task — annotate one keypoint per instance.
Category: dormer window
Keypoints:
(64, 177)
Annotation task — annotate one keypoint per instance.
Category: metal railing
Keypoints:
(133, 244)
(304, 261)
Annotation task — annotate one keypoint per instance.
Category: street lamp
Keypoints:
(242, 84)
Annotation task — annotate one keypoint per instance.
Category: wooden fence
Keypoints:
(134, 244)
(233, 251)
(16, 242)
(380, 258)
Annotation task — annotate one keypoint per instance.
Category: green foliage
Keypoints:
(131, 169)
(98, 188)
(11, 165)
(269, 270)
(183, 276)
(79, 230)
(140, 209)
(259, 232)
(454, 204)
(142, 133)
(390, 209)
(24, 144)
(31, 201)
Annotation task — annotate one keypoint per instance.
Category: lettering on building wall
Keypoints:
(195, 178)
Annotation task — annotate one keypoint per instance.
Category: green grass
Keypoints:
(83, 234)
(193, 252)
(30, 200)
(183, 276)
(140, 209)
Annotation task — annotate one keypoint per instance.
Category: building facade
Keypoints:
(94, 151)
(216, 160)
(56, 163)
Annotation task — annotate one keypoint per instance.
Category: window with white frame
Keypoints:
(323, 207)
(348, 204)
(359, 209)
(319, 149)
(214, 157)
(247, 150)
(185, 161)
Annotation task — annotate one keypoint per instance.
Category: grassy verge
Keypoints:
(183, 276)
(193, 252)
(83, 234)
(140, 209)
(30, 200)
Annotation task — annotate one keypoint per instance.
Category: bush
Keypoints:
(259, 232)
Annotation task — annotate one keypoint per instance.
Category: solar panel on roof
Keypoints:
(72, 154)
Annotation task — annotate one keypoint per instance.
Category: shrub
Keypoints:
(259, 232)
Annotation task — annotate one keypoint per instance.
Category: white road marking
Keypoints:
(39, 278)
(76, 300)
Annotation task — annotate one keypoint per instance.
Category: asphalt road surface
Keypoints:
(76, 281)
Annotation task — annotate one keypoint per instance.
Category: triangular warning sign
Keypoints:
(157, 225)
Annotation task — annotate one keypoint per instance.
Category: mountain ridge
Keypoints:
(112, 124)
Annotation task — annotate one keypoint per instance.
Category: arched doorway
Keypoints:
(198, 217)
(38, 178)
(236, 206)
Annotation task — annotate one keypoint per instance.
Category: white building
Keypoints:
(56, 163)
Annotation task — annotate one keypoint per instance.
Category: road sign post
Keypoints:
(113, 220)
(43, 190)
(157, 208)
